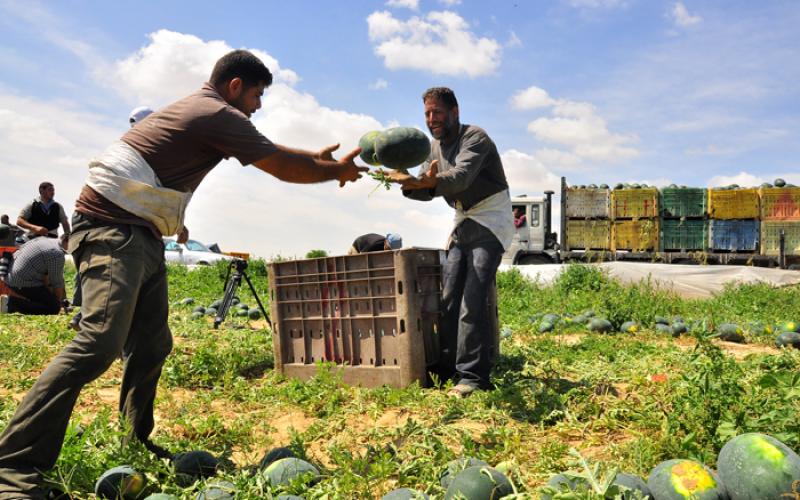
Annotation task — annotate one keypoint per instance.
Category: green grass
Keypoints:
(626, 401)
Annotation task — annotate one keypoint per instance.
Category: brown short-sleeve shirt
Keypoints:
(182, 143)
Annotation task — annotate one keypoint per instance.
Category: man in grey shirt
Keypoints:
(464, 167)
(36, 276)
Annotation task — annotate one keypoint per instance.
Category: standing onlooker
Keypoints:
(36, 276)
(43, 215)
(465, 168)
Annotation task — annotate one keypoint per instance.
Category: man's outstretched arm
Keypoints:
(298, 167)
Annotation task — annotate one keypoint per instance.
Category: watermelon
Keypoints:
(254, 314)
(120, 482)
(790, 326)
(478, 483)
(276, 454)
(196, 464)
(367, 145)
(402, 147)
(217, 490)
(286, 470)
(619, 185)
(160, 496)
(730, 332)
(545, 327)
(758, 466)
(661, 320)
(600, 325)
(242, 313)
(405, 494)
(588, 313)
(242, 305)
(629, 327)
(580, 319)
(211, 311)
(603, 186)
(216, 304)
(788, 339)
(680, 479)
(677, 319)
(197, 315)
(631, 483)
(455, 466)
(506, 332)
(187, 301)
(592, 186)
(662, 328)
(779, 182)
(199, 309)
(678, 329)
(551, 318)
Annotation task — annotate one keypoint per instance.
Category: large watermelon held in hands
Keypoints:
(367, 145)
(680, 479)
(402, 147)
(756, 466)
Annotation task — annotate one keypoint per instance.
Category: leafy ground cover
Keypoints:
(625, 401)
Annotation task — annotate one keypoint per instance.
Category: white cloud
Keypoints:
(680, 15)
(173, 65)
(378, 84)
(450, 3)
(526, 174)
(532, 98)
(577, 126)
(513, 40)
(406, 4)
(440, 43)
(743, 179)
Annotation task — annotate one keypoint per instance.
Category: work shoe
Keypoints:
(3, 304)
(461, 391)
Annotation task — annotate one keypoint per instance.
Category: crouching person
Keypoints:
(36, 278)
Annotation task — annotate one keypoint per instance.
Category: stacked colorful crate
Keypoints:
(635, 219)
(684, 225)
(588, 223)
(780, 211)
(734, 220)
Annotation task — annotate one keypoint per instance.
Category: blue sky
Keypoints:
(692, 92)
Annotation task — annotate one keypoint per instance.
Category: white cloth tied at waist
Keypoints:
(493, 213)
(123, 177)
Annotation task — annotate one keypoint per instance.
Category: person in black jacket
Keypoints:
(43, 215)
(373, 242)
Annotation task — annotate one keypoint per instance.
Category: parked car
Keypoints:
(191, 253)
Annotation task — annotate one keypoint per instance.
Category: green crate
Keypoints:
(683, 234)
(684, 202)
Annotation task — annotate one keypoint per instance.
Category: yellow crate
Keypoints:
(771, 234)
(780, 203)
(733, 203)
(634, 203)
(589, 234)
(635, 235)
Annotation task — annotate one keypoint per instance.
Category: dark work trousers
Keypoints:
(124, 284)
(466, 333)
(76, 297)
(37, 300)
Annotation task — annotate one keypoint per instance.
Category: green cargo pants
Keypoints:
(125, 308)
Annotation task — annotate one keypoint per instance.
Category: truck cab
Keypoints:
(533, 242)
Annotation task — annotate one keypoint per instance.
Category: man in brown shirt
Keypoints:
(120, 256)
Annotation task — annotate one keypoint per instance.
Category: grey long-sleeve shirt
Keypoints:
(470, 169)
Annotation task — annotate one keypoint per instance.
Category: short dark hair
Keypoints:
(447, 96)
(240, 64)
(45, 185)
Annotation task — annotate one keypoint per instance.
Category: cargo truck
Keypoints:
(677, 225)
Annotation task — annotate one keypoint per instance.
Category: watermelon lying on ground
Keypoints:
(402, 147)
(788, 339)
(120, 482)
(757, 466)
(453, 467)
(405, 494)
(680, 479)
(478, 483)
(286, 470)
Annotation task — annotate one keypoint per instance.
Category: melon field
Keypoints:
(566, 398)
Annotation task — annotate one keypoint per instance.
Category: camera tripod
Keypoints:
(231, 285)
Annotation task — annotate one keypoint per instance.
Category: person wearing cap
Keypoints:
(138, 191)
(43, 215)
(465, 169)
(374, 242)
(36, 278)
(139, 114)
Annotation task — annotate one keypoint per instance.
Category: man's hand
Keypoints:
(41, 231)
(409, 182)
(349, 171)
(183, 236)
(327, 152)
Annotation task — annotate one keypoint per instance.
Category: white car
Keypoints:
(191, 253)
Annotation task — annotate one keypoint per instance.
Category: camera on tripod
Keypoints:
(232, 282)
